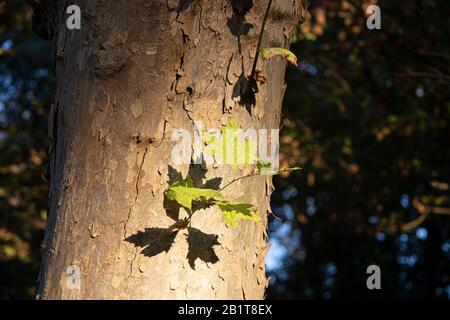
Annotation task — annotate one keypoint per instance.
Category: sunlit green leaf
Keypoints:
(234, 211)
(269, 53)
(184, 193)
(244, 150)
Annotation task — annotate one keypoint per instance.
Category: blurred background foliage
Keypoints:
(366, 116)
(25, 94)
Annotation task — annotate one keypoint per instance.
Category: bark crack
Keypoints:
(131, 266)
(137, 192)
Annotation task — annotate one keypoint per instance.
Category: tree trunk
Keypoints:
(136, 72)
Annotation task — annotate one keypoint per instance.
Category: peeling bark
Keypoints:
(134, 73)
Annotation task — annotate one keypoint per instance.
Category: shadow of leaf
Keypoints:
(213, 183)
(183, 5)
(153, 240)
(246, 89)
(157, 240)
(237, 23)
(201, 247)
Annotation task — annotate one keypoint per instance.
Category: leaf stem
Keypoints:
(258, 47)
(237, 179)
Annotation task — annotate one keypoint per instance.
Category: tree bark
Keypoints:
(134, 73)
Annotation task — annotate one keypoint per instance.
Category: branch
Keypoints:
(424, 211)
(406, 227)
(442, 186)
(419, 74)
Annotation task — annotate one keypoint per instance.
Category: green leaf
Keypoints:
(232, 124)
(184, 192)
(269, 53)
(233, 211)
(208, 137)
(244, 150)
(265, 168)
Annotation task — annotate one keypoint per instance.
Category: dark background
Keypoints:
(366, 116)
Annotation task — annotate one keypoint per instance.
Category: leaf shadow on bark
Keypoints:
(246, 87)
(200, 245)
(153, 240)
(157, 240)
(237, 23)
(183, 5)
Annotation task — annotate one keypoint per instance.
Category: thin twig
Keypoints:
(406, 227)
(439, 185)
(235, 180)
(424, 212)
(258, 47)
